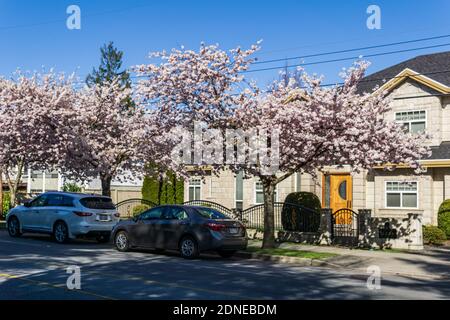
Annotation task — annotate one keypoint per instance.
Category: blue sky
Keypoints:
(34, 34)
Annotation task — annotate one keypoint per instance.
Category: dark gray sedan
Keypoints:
(189, 229)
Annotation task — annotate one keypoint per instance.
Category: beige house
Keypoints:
(420, 92)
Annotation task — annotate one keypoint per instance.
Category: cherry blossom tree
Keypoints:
(319, 127)
(109, 139)
(33, 112)
(308, 126)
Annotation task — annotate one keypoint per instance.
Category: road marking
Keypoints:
(52, 285)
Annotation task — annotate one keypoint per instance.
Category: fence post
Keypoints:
(364, 227)
(325, 227)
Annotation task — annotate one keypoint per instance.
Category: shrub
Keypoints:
(293, 219)
(444, 217)
(433, 235)
(71, 187)
(139, 209)
(6, 204)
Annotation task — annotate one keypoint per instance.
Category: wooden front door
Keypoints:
(337, 191)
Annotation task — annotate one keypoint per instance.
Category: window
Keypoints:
(259, 193)
(412, 121)
(57, 200)
(175, 213)
(298, 182)
(98, 203)
(154, 213)
(210, 213)
(195, 186)
(239, 195)
(401, 195)
(39, 202)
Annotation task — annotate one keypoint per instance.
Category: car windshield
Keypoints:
(97, 203)
(211, 214)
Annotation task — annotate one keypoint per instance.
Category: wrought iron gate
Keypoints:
(345, 227)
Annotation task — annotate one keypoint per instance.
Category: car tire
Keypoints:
(121, 241)
(14, 227)
(103, 239)
(226, 253)
(61, 232)
(189, 248)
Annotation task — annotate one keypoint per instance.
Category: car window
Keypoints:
(59, 200)
(211, 213)
(39, 201)
(155, 213)
(175, 213)
(97, 203)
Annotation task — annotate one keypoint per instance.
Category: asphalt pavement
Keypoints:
(34, 267)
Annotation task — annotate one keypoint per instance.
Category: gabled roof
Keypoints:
(427, 69)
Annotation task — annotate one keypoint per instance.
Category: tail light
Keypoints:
(83, 214)
(215, 226)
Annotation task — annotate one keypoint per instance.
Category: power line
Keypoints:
(353, 49)
(349, 58)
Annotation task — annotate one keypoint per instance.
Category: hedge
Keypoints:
(433, 235)
(444, 217)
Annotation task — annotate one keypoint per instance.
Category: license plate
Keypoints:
(233, 230)
(103, 217)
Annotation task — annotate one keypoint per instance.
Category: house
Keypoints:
(420, 92)
(35, 182)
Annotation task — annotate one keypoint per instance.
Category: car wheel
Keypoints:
(189, 248)
(226, 253)
(102, 239)
(61, 232)
(121, 241)
(14, 227)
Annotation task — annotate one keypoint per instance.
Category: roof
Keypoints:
(429, 65)
(440, 153)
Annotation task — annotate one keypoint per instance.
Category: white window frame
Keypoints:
(195, 186)
(401, 194)
(255, 190)
(403, 122)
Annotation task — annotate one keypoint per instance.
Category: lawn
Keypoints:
(292, 253)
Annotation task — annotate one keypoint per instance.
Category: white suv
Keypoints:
(65, 216)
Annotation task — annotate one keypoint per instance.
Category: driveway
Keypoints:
(33, 267)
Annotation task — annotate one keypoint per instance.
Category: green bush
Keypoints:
(291, 217)
(139, 209)
(169, 190)
(433, 235)
(71, 187)
(444, 217)
(6, 204)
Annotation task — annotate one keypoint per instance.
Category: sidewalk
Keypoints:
(431, 263)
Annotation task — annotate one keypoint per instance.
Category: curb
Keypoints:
(307, 262)
(282, 259)
(2, 225)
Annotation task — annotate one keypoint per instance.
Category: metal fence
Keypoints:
(288, 217)
(131, 207)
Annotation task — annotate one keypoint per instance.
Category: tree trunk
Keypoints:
(269, 214)
(160, 186)
(13, 184)
(1, 194)
(106, 184)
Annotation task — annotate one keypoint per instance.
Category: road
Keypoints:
(34, 267)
